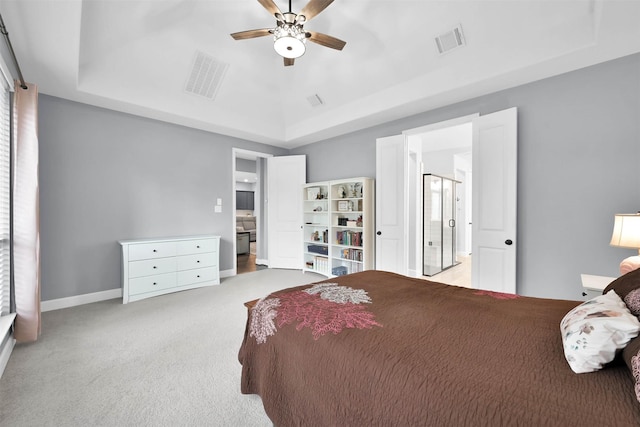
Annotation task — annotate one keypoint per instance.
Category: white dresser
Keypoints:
(152, 267)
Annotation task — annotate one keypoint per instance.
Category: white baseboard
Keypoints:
(262, 262)
(57, 304)
(226, 273)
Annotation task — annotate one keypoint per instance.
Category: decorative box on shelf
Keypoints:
(339, 271)
(318, 249)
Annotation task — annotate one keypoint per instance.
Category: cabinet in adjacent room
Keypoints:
(339, 226)
(152, 267)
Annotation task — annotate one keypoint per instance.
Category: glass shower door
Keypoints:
(439, 224)
(432, 225)
(449, 223)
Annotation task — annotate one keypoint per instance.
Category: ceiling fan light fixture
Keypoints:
(289, 40)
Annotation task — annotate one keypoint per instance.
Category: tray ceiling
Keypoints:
(137, 57)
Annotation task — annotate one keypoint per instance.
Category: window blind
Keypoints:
(5, 198)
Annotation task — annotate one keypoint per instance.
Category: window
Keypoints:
(5, 206)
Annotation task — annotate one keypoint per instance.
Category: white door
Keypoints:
(391, 244)
(494, 201)
(285, 177)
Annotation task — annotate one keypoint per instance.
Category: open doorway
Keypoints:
(448, 152)
(494, 204)
(443, 150)
(249, 184)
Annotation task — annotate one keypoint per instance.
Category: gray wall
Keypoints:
(579, 151)
(106, 176)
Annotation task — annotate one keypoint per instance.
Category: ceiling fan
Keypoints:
(289, 35)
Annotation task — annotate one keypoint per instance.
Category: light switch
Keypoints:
(219, 202)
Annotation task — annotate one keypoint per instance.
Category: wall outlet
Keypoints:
(217, 209)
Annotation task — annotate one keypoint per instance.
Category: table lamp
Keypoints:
(626, 234)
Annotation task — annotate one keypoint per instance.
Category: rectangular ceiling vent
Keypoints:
(450, 40)
(206, 75)
(315, 100)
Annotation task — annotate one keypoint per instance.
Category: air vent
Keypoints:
(206, 75)
(315, 100)
(450, 40)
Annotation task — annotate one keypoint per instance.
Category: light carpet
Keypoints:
(165, 361)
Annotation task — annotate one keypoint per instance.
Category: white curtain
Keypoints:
(26, 221)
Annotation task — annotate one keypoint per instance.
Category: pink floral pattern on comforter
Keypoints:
(323, 308)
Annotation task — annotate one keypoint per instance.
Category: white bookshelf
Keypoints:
(315, 236)
(345, 226)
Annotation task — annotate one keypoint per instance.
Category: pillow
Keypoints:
(595, 330)
(631, 356)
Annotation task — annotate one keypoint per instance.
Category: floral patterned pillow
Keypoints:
(631, 356)
(594, 331)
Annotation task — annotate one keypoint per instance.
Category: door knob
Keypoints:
(379, 233)
(508, 242)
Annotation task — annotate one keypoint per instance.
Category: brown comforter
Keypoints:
(422, 353)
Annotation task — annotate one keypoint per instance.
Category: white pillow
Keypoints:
(595, 330)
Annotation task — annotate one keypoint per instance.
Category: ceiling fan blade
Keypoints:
(270, 6)
(250, 34)
(313, 8)
(325, 40)
(288, 61)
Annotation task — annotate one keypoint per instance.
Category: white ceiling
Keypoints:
(136, 56)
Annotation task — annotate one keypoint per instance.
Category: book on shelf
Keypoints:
(320, 263)
(349, 238)
(320, 237)
(351, 254)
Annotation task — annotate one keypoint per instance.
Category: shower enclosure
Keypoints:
(439, 224)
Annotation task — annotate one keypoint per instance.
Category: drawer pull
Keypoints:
(198, 261)
(198, 276)
(198, 246)
(154, 283)
(154, 267)
(155, 250)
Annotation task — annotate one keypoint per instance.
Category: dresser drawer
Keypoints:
(186, 247)
(153, 267)
(189, 262)
(188, 277)
(148, 267)
(141, 285)
(151, 250)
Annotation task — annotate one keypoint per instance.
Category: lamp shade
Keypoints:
(626, 231)
(289, 40)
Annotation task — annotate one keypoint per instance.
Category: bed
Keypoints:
(377, 348)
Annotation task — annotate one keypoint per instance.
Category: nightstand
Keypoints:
(594, 285)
